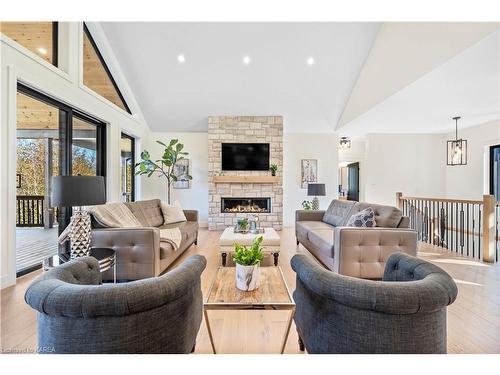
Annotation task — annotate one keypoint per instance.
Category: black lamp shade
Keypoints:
(69, 191)
(316, 190)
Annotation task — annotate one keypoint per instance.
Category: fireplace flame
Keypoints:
(246, 208)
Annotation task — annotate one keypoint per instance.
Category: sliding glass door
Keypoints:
(52, 139)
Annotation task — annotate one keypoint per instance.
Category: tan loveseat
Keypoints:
(352, 251)
(139, 251)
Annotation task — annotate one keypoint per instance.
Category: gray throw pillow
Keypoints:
(363, 219)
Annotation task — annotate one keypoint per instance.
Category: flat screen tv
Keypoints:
(245, 156)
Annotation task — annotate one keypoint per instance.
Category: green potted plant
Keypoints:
(247, 261)
(273, 168)
(307, 205)
(164, 166)
(242, 225)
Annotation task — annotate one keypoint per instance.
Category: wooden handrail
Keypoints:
(466, 201)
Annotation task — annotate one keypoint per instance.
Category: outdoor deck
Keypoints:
(33, 245)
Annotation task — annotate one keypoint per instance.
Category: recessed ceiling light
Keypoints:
(42, 50)
(246, 60)
(181, 59)
(310, 60)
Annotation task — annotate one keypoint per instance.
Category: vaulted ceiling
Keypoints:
(213, 80)
(365, 77)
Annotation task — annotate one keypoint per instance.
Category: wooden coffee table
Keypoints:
(272, 294)
(270, 242)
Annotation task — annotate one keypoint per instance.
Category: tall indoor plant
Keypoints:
(164, 166)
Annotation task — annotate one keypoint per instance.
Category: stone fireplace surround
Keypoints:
(244, 129)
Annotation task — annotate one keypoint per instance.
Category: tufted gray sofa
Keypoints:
(403, 313)
(352, 251)
(77, 314)
(139, 251)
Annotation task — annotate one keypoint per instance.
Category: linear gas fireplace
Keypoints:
(255, 205)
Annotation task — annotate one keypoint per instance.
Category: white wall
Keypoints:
(471, 181)
(196, 197)
(409, 163)
(297, 146)
(20, 64)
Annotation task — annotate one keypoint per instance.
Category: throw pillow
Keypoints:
(363, 219)
(172, 213)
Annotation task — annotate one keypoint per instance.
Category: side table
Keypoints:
(105, 256)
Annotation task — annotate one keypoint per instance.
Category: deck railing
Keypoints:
(29, 210)
(467, 227)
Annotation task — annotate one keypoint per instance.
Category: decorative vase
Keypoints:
(247, 277)
(315, 203)
(81, 234)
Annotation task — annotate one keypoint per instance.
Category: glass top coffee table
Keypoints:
(272, 294)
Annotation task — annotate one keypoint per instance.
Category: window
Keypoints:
(96, 74)
(87, 135)
(39, 37)
(127, 162)
(495, 171)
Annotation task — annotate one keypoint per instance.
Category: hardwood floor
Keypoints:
(473, 320)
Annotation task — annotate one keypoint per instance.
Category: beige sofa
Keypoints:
(139, 251)
(352, 251)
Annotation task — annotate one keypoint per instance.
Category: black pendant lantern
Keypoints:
(457, 148)
(344, 143)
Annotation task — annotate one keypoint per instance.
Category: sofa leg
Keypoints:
(301, 345)
(196, 242)
(296, 239)
(194, 348)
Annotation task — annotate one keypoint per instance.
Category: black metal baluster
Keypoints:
(442, 224)
(479, 233)
(473, 230)
(429, 227)
(420, 219)
(468, 229)
(451, 227)
(424, 221)
(439, 234)
(461, 228)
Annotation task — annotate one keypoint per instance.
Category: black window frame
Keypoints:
(492, 182)
(132, 182)
(106, 69)
(66, 114)
(55, 44)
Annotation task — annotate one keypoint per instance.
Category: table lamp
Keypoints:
(78, 191)
(316, 190)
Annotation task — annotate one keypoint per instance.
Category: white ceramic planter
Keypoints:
(247, 277)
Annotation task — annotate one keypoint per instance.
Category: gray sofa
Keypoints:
(139, 252)
(353, 251)
(403, 313)
(76, 314)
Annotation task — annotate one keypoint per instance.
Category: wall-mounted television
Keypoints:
(245, 156)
